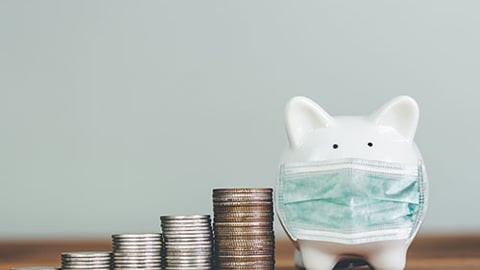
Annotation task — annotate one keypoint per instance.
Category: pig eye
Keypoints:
(370, 144)
(335, 146)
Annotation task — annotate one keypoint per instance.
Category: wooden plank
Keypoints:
(426, 252)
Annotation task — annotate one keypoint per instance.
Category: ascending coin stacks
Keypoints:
(243, 227)
(243, 239)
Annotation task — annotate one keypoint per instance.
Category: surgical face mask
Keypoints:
(350, 201)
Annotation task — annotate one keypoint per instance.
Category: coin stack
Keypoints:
(188, 242)
(137, 251)
(243, 228)
(86, 260)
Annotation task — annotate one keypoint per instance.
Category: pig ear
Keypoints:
(400, 113)
(302, 116)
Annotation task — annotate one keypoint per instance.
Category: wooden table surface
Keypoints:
(426, 252)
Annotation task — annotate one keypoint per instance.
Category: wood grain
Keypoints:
(426, 252)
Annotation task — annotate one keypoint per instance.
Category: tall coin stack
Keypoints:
(137, 251)
(86, 260)
(243, 227)
(188, 242)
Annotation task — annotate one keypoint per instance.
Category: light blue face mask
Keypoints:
(351, 200)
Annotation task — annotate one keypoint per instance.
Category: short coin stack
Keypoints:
(137, 251)
(86, 260)
(243, 227)
(188, 242)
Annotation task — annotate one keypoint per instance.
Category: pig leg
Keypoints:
(389, 258)
(315, 257)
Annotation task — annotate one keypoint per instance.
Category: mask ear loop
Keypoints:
(422, 189)
(277, 201)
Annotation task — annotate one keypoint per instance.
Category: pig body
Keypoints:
(385, 135)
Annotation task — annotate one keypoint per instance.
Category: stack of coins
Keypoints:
(243, 227)
(137, 251)
(86, 260)
(188, 242)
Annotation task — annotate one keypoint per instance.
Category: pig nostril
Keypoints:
(335, 146)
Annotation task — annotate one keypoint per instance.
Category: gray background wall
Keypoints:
(113, 113)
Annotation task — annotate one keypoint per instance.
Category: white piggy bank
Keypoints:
(351, 187)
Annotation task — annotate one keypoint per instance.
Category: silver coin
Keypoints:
(89, 268)
(132, 258)
(86, 266)
(189, 258)
(188, 244)
(183, 223)
(143, 268)
(138, 241)
(177, 251)
(73, 260)
(137, 263)
(86, 262)
(141, 245)
(196, 230)
(189, 238)
(242, 189)
(140, 250)
(186, 254)
(90, 254)
(187, 268)
(186, 225)
(136, 235)
(187, 217)
(135, 253)
(184, 220)
(192, 238)
(139, 258)
(188, 262)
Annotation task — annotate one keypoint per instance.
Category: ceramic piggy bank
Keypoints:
(351, 188)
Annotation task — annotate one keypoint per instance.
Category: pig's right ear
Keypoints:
(303, 116)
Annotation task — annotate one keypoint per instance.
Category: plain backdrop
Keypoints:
(113, 113)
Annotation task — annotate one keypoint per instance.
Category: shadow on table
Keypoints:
(353, 264)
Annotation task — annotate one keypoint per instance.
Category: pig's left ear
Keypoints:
(400, 113)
